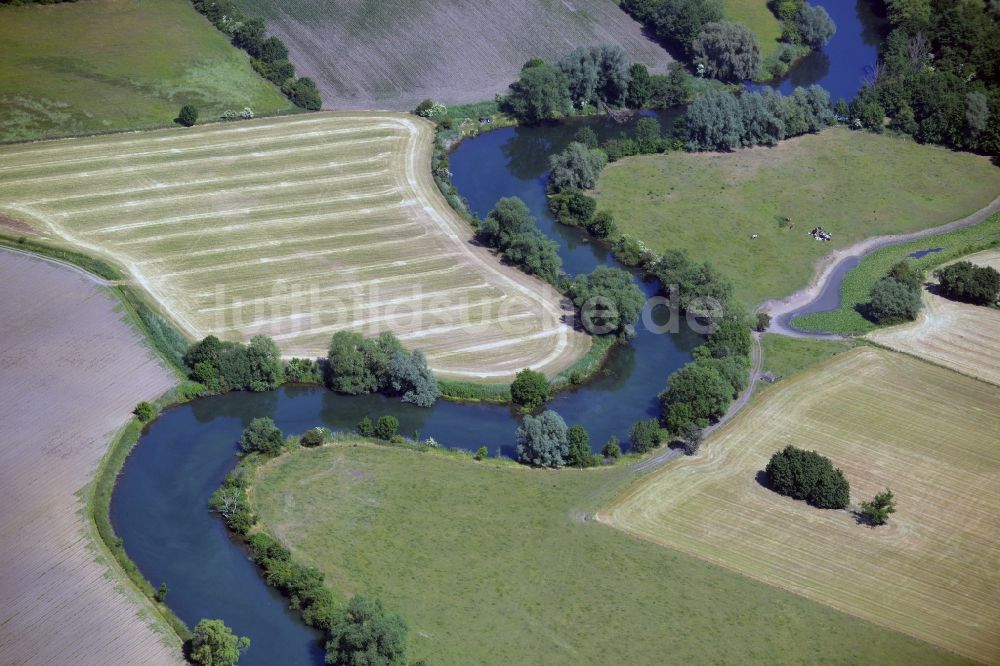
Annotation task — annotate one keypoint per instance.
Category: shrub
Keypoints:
(814, 25)
(542, 92)
(579, 447)
(409, 375)
(573, 208)
(727, 51)
(878, 510)
(145, 411)
(608, 299)
(806, 475)
(543, 440)
(214, 644)
(262, 436)
(645, 435)
(892, 302)
(161, 592)
(359, 365)
(303, 371)
(530, 389)
(230, 366)
(603, 225)
(697, 394)
(577, 167)
(303, 93)
(313, 437)
(964, 281)
(366, 428)
(363, 632)
(188, 115)
(386, 427)
(481, 453)
(763, 322)
(612, 449)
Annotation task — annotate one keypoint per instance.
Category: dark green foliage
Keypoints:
(572, 207)
(424, 107)
(188, 115)
(612, 449)
(313, 437)
(262, 436)
(386, 427)
(587, 136)
(645, 435)
(303, 371)
(649, 136)
(676, 22)
(727, 51)
(303, 585)
(541, 93)
(278, 72)
(303, 93)
(763, 322)
(892, 302)
(579, 447)
(670, 90)
(214, 644)
(602, 225)
(529, 389)
(691, 437)
(230, 366)
(596, 74)
(730, 337)
(806, 475)
(273, 50)
(733, 369)
(815, 27)
(481, 453)
(608, 299)
(366, 428)
(640, 87)
(249, 36)
(631, 251)
(577, 167)
(536, 255)
(690, 281)
(510, 228)
(543, 440)
(364, 634)
(964, 281)
(409, 375)
(145, 411)
(877, 511)
(509, 218)
(359, 365)
(696, 394)
(231, 501)
(161, 592)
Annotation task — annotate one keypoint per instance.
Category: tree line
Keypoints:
(269, 55)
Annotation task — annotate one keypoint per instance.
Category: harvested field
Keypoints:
(73, 369)
(391, 54)
(959, 336)
(295, 228)
(887, 420)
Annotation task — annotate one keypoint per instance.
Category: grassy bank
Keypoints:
(493, 563)
(785, 356)
(855, 185)
(858, 283)
(100, 65)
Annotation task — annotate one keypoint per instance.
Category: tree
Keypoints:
(249, 36)
(612, 449)
(360, 365)
(144, 411)
(508, 219)
(640, 86)
(303, 93)
(266, 369)
(587, 136)
(188, 115)
(214, 644)
(892, 302)
(312, 437)
(806, 475)
(161, 592)
(964, 281)
(386, 427)
(597, 73)
(365, 427)
(649, 135)
(695, 394)
(731, 337)
(670, 90)
(815, 25)
(608, 299)
(262, 436)
(529, 389)
(977, 112)
(728, 51)
(541, 93)
(579, 447)
(273, 50)
(408, 374)
(763, 322)
(572, 207)
(543, 440)
(603, 225)
(363, 633)
(535, 254)
(678, 22)
(481, 453)
(691, 436)
(878, 510)
(576, 167)
(645, 435)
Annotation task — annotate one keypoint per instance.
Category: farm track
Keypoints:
(294, 228)
(73, 369)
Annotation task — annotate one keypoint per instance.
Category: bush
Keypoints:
(964, 281)
(603, 225)
(645, 435)
(366, 428)
(878, 510)
(573, 208)
(676, 22)
(481, 453)
(541, 93)
(145, 411)
(313, 437)
(510, 228)
(612, 449)
(386, 427)
(359, 365)
(214, 644)
(815, 27)
(806, 475)
(262, 436)
(596, 74)
(763, 322)
(303, 371)
(363, 633)
(892, 302)
(579, 447)
(696, 395)
(727, 51)
(230, 366)
(409, 375)
(608, 299)
(529, 389)
(188, 115)
(577, 167)
(543, 440)
(303, 93)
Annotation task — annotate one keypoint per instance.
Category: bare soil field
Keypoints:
(295, 228)
(391, 54)
(73, 369)
(887, 420)
(959, 336)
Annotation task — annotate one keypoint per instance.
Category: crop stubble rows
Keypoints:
(294, 228)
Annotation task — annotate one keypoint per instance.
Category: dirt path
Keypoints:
(783, 310)
(72, 371)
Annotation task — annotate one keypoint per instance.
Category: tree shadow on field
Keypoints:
(762, 478)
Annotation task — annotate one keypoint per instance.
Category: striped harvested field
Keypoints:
(295, 228)
(959, 336)
(887, 420)
(72, 370)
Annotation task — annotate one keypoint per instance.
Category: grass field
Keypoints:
(73, 370)
(785, 356)
(391, 54)
(105, 65)
(492, 564)
(755, 15)
(858, 283)
(296, 228)
(887, 420)
(854, 184)
(956, 335)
